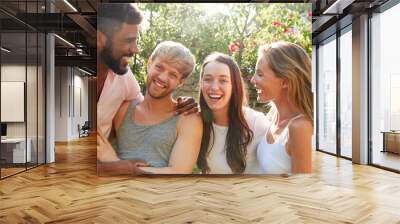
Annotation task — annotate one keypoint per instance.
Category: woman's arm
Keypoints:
(299, 145)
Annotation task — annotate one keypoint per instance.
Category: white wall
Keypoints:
(16, 73)
(34, 124)
(69, 85)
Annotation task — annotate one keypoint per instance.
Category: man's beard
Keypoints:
(110, 62)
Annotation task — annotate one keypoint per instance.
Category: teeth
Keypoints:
(159, 84)
(213, 96)
(259, 91)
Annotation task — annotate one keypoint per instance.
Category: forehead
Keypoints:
(172, 67)
(262, 64)
(216, 68)
(128, 30)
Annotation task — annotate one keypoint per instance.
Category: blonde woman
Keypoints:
(282, 78)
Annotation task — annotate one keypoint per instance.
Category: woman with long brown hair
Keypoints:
(231, 130)
(283, 78)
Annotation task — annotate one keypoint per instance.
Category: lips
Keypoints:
(214, 97)
(159, 84)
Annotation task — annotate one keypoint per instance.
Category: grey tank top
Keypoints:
(151, 143)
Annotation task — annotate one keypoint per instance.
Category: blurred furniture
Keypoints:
(84, 130)
(391, 141)
(13, 151)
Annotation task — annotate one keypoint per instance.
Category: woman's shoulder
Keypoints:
(256, 120)
(300, 125)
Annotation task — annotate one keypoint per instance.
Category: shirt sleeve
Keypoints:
(132, 87)
(257, 121)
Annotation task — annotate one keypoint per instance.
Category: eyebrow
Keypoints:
(131, 38)
(220, 75)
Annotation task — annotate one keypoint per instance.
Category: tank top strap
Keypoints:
(131, 107)
(293, 118)
(286, 130)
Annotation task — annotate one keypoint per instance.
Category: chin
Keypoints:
(262, 99)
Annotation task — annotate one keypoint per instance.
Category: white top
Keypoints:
(216, 160)
(273, 158)
(116, 89)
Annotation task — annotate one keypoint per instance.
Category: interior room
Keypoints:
(41, 77)
(48, 128)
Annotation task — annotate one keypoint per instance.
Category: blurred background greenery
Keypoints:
(234, 29)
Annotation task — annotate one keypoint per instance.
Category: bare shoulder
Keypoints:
(193, 119)
(301, 126)
(300, 138)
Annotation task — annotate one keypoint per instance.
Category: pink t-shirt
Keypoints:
(117, 89)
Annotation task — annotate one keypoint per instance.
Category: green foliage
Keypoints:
(204, 31)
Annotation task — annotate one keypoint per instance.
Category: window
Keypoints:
(346, 92)
(327, 96)
(385, 88)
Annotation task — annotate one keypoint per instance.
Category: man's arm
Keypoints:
(105, 152)
(119, 116)
(186, 148)
(121, 167)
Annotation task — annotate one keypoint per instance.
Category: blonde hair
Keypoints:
(290, 62)
(176, 55)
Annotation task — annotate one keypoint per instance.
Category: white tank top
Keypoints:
(216, 159)
(273, 158)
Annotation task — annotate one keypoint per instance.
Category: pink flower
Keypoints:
(233, 47)
(309, 14)
(290, 30)
(277, 23)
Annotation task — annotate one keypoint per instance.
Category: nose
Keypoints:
(214, 85)
(252, 80)
(163, 76)
(133, 48)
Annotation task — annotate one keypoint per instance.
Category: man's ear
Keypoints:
(149, 61)
(181, 82)
(101, 40)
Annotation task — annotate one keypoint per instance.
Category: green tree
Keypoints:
(238, 30)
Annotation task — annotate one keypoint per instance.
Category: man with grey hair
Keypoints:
(148, 130)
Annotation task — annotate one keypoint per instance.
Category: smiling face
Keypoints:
(120, 47)
(162, 78)
(269, 86)
(216, 85)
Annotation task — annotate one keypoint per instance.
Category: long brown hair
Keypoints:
(239, 134)
(291, 62)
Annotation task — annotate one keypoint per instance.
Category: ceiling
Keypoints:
(328, 16)
(74, 22)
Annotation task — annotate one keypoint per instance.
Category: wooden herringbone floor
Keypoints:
(69, 191)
